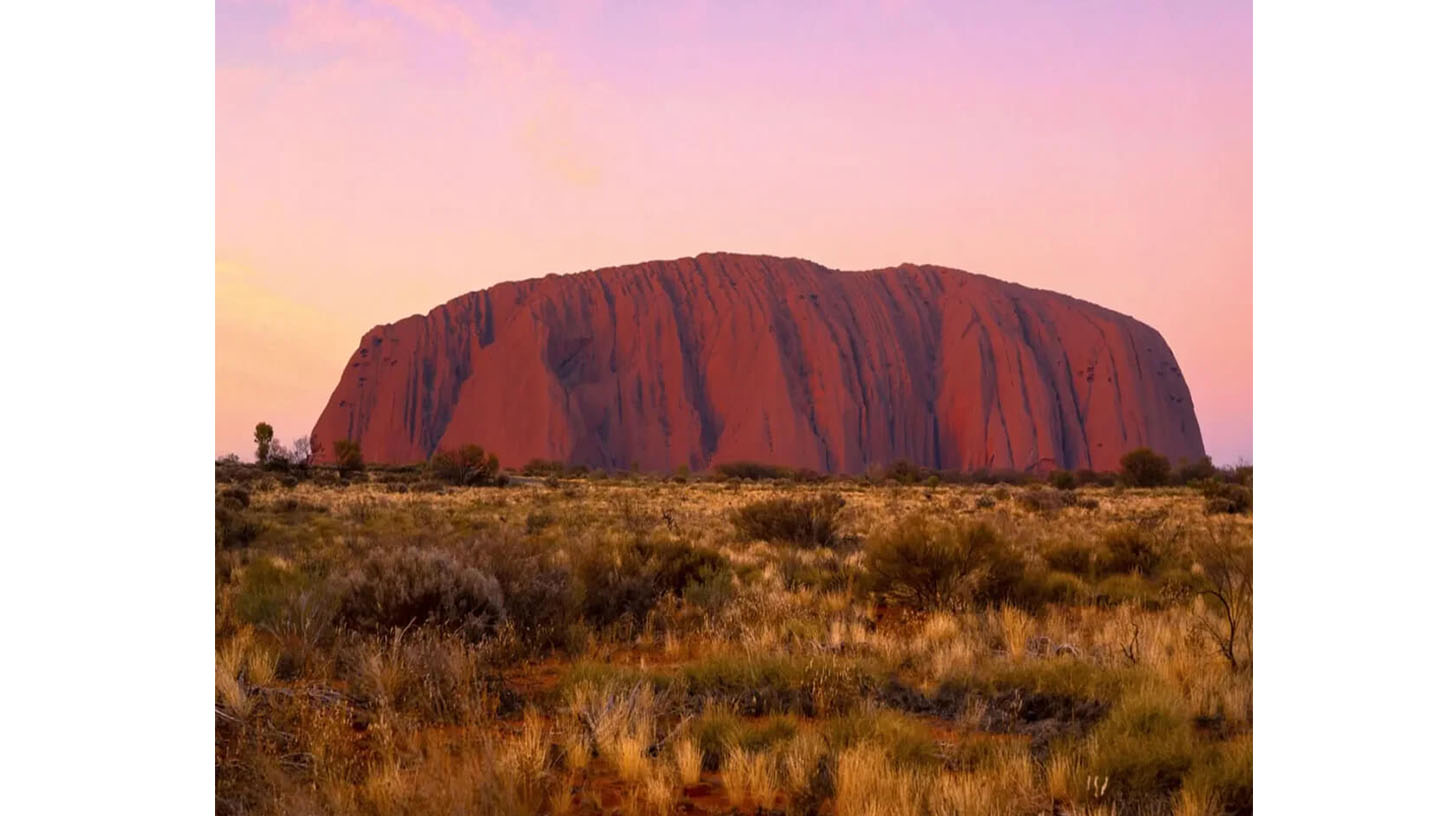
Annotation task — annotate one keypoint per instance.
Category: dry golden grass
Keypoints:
(688, 759)
(868, 783)
(747, 778)
(316, 717)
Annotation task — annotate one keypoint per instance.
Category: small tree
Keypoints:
(1142, 467)
(279, 457)
(301, 453)
(1224, 578)
(348, 455)
(263, 438)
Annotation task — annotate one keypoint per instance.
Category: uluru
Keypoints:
(725, 357)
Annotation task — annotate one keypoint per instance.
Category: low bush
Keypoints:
(929, 564)
(1224, 772)
(716, 732)
(1145, 745)
(1087, 476)
(810, 522)
(234, 527)
(538, 520)
(621, 580)
(754, 685)
(765, 734)
(1062, 480)
(1142, 467)
(1128, 550)
(752, 471)
(1222, 497)
(1117, 590)
(1070, 557)
(348, 455)
(551, 591)
(544, 467)
(235, 497)
(466, 465)
(265, 588)
(906, 740)
(1062, 588)
(905, 472)
(396, 588)
(1039, 500)
(1199, 470)
(1072, 681)
(540, 597)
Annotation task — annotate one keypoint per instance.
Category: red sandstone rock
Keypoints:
(737, 357)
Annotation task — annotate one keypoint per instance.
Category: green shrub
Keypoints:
(543, 467)
(907, 741)
(234, 527)
(905, 472)
(621, 580)
(810, 522)
(265, 589)
(928, 564)
(1038, 500)
(1115, 590)
(540, 595)
(1086, 476)
(758, 685)
(1145, 745)
(1199, 470)
(716, 731)
(1072, 680)
(765, 734)
(1070, 557)
(1062, 480)
(396, 588)
(538, 520)
(1222, 497)
(1226, 770)
(466, 465)
(812, 573)
(1129, 549)
(1063, 588)
(235, 497)
(1142, 467)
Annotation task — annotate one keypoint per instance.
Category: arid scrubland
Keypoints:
(642, 646)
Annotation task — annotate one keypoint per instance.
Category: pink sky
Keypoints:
(378, 157)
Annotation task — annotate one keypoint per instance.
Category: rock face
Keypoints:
(724, 357)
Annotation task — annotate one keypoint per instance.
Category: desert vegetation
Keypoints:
(452, 638)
